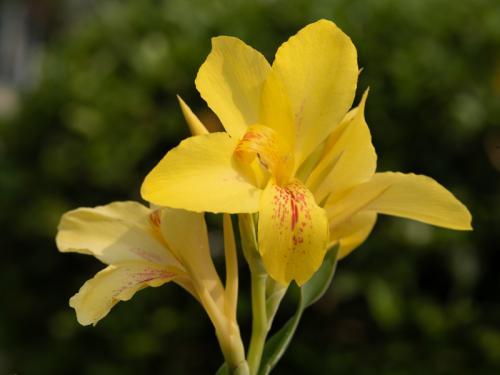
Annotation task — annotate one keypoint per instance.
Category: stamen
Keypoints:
(264, 144)
(154, 219)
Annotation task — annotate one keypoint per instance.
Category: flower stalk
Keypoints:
(259, 323)
(263, 309)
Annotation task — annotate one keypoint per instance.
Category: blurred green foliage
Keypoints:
(414, 299)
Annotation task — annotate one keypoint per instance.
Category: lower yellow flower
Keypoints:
(149, 247)
(142, 247)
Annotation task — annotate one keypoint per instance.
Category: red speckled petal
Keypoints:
(116, 283)
(293, 232)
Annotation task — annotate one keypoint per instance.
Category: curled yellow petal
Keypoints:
(186, 235)
(116, 283)
(410, 196)
(231, 80)
(349, 157)
(293, 232)
(311, 86)
(352, 232)
(117, 232)
(200, 175)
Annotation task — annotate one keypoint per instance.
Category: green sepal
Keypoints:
(314, 289)
(242, 369)
(223, 370)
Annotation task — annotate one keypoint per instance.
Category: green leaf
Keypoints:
(310, 292)
(314, 289)
(276, 346)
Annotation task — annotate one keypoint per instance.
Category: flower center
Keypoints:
(263, 153)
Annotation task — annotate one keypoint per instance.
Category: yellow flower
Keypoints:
(149, 247)
(142, 247)
(293, 152)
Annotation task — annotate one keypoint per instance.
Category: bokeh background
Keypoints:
(87, 107)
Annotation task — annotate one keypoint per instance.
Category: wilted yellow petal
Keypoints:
(195, 125)
(410, 196)
(117, 232)
(113, 284)
(293, 232)
(186, 235)
(200, 175)
(231, 80)
(349, 157)
(312, 83)
(352, 232)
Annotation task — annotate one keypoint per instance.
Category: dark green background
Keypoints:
(412, 300)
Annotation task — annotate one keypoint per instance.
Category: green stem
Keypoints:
(234, 356)
(227, 332)
(274, 295)
(310, 292)
(259, 323)
(231, 258)
(290, 328)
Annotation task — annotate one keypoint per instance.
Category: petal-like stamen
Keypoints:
(272, 152)
(293, 232)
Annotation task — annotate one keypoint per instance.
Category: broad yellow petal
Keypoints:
(352, 232)
(293, 232)
(200, 175)
(349, 157)
(113, 284)
(117, 232)
(231, 80)
(406, 195)
(312, 83)
(195, 125)
(186, 235)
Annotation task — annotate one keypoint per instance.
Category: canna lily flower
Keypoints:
(293, 152)
(150, 247)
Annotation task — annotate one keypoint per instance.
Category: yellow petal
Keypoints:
(200, 175)
(195, 125)
(231, 80)
(410, 196)
(312, 83)
(117, 232)
(186, 235)
(352, 232)
(293, 232)
(349, 156)
(113, 284)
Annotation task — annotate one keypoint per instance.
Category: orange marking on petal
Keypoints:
(273, 154)
(154, 218)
